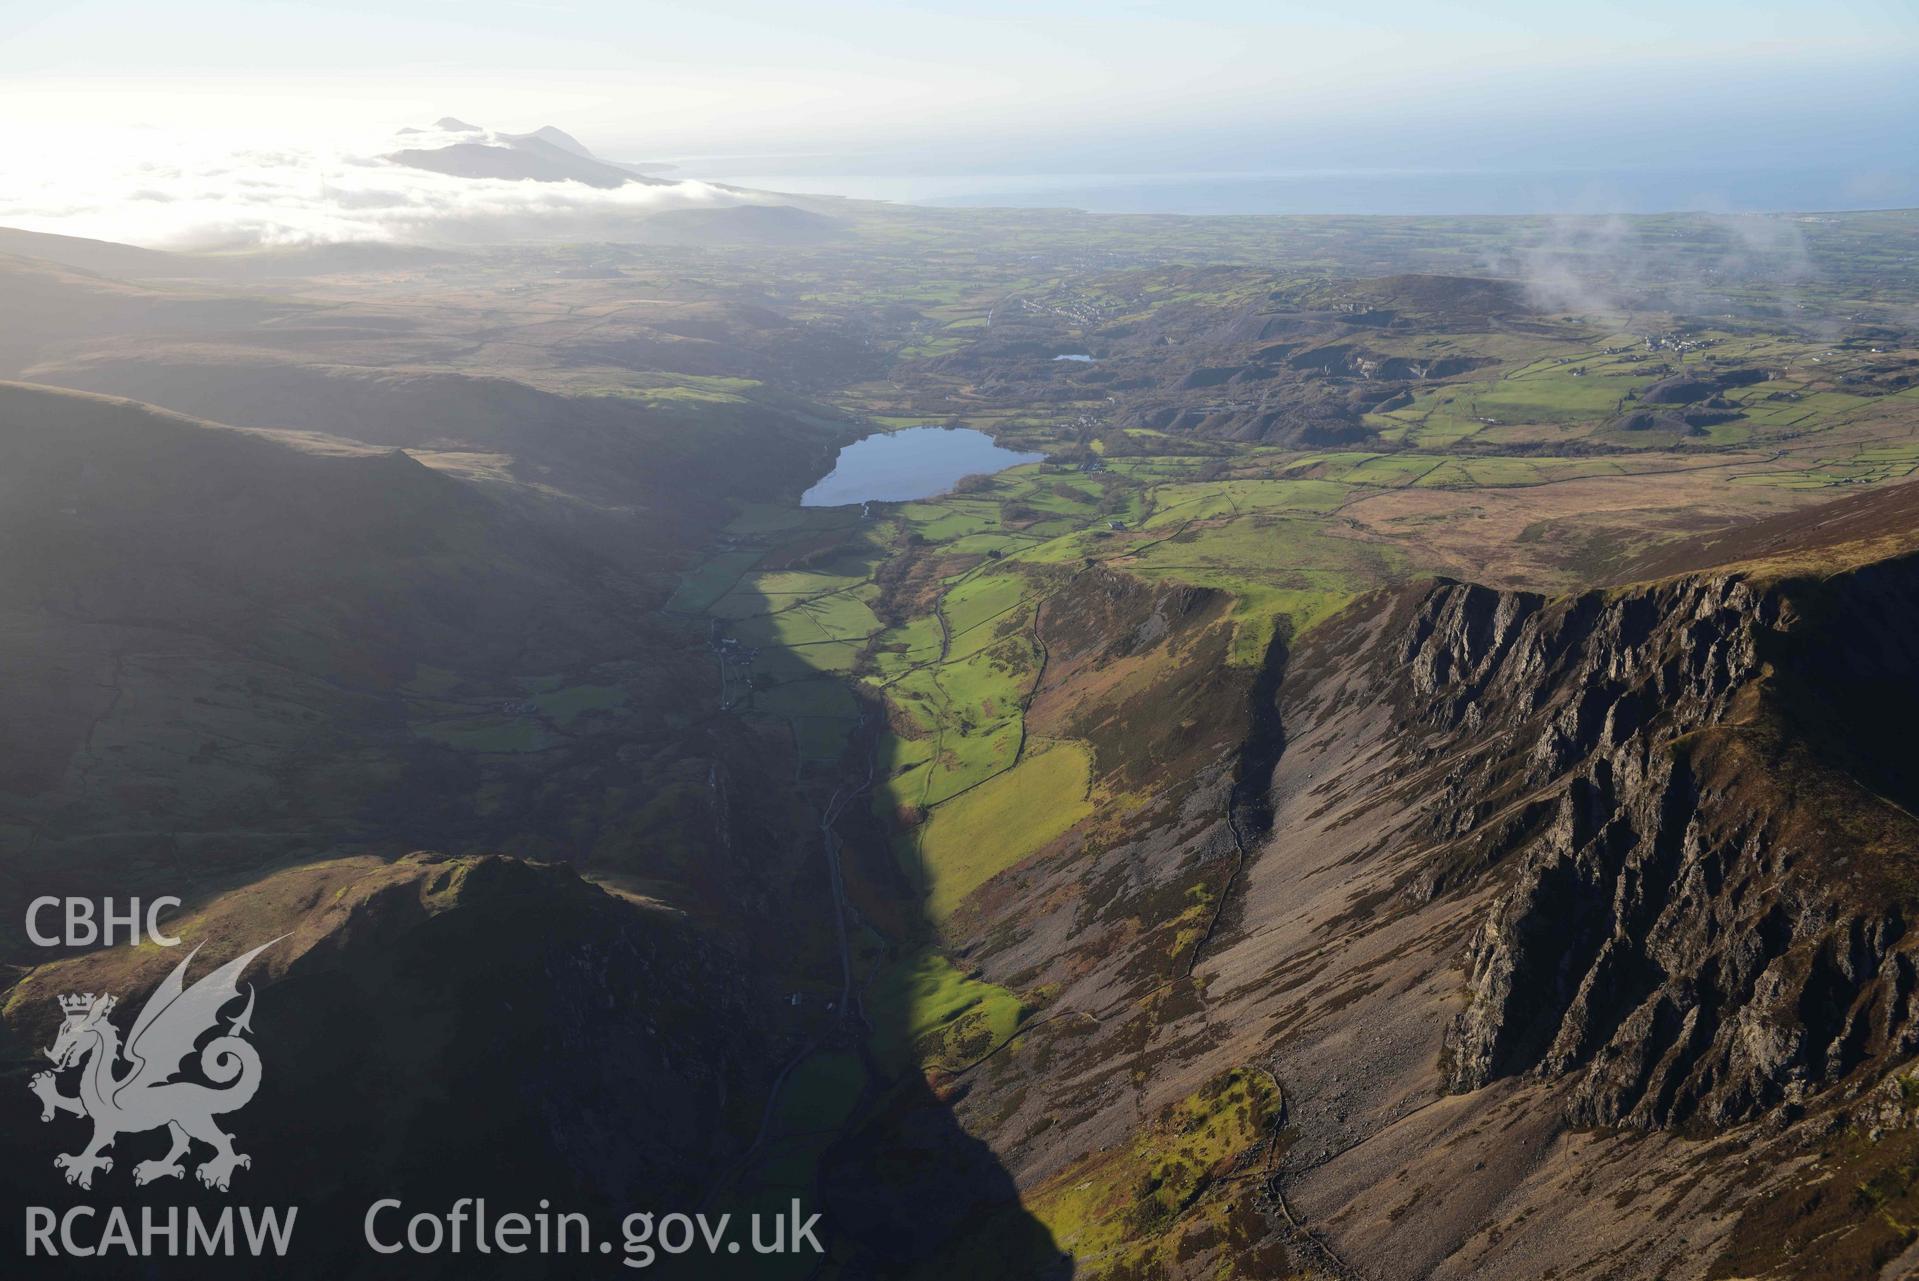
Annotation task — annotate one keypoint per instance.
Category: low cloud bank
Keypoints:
(1616, 266)
(146, 188)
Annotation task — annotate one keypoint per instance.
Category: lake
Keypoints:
(915, 462)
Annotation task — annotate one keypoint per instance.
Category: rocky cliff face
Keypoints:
(1704, 913)
(1550, 887)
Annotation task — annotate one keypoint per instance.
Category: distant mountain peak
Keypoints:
(559, 138)
(545, 155)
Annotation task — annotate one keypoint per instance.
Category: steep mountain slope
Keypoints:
(1687, 889)
(1569, 936)
(669, 472)
(561, 417)
(433, 1028)
(226, 650)
(241, 650)
(210, 631)
(1709, 921)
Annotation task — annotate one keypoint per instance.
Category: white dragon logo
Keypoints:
(146, 1097)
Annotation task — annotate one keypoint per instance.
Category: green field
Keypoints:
(926, 1011)
(973, 837)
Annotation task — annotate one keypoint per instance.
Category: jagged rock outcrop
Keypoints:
(1705, 914)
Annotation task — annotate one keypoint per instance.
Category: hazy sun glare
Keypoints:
(240, 187)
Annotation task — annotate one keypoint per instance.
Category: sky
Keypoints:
(994, 88)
